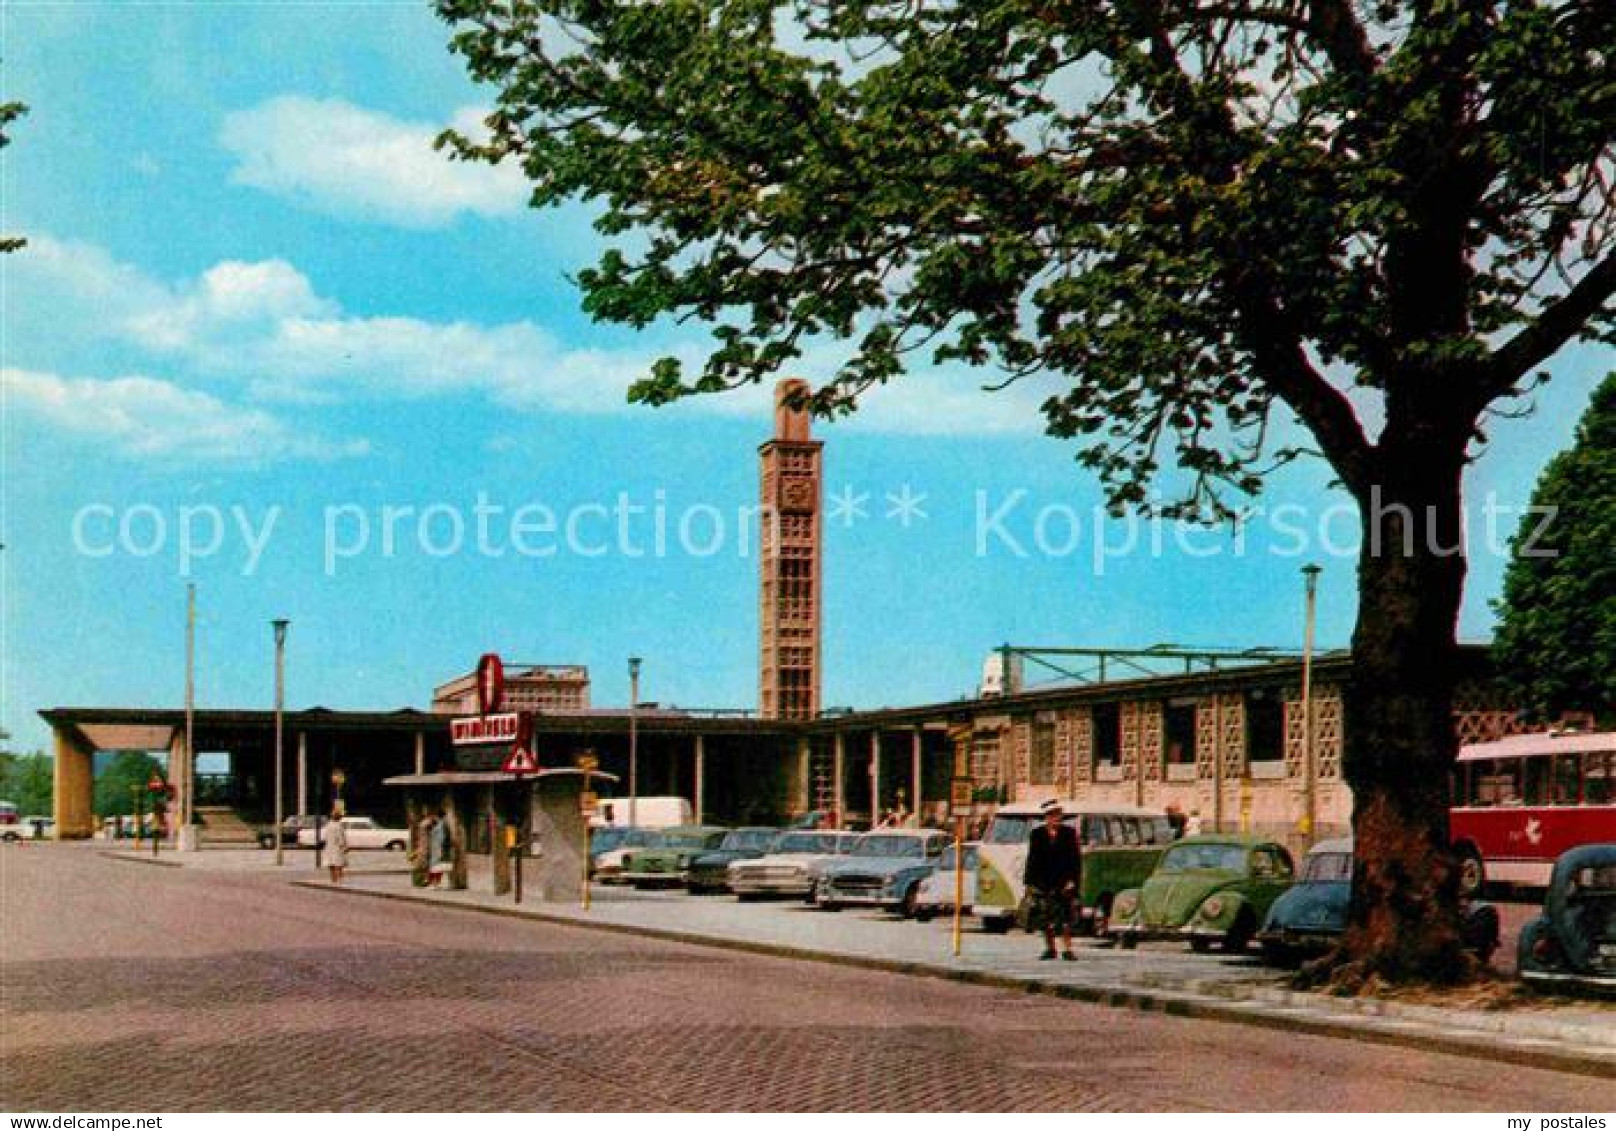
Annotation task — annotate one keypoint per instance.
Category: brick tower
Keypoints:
(788, 666)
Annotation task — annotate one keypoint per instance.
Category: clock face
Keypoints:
(796, 494)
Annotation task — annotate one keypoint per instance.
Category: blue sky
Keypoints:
(252, 289)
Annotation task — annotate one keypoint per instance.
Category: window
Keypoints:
(1178, 724)
(1265, 726)
(1094, 831)
(1107, 735)
(1041, 766)
(1599, 779)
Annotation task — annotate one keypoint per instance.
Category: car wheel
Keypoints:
(1128, 942)
(997, 925)
(1240, 934)
(1472, 872)
(395, 846)
(909, 907)
(1278, 954)
(745, 897)
(1200, 944)
(9, 837)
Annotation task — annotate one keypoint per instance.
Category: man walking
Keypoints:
(1054, 866)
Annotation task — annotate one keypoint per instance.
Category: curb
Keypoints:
(1172, 1003)
(151, 862)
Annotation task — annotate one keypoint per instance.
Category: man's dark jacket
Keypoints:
(1053, 862)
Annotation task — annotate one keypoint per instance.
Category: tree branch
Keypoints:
(1555, 326)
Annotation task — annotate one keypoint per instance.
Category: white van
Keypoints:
(649, 813)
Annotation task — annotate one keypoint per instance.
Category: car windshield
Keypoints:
(604, 840)
(1327, 868)
(687, 840)
(889, 846)
(746, 840)
(807, 842)
(1204, 857)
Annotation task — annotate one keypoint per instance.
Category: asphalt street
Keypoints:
(137, 988)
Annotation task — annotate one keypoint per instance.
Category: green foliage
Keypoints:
(1186, 214)
(1557, 635)
(28, 780)
(115, 785)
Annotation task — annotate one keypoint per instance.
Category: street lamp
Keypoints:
(1310, 576)
(280, 769)
(633, 740)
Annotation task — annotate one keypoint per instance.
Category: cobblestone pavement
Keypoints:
(135, 988)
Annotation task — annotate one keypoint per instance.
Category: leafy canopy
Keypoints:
(1557, 636)
(1187, 210)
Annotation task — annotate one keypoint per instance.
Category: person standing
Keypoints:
(439, 851)
(336, 847)
(1054, 867)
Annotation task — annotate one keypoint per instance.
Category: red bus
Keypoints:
(1520, 802)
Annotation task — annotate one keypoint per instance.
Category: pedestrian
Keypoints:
(1054, 867)
(440, 847)
(1177, 819)
(336, 846)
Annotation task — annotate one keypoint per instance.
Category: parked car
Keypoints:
(363, 832)
(608, 846)
(884, 869)
(290, 829)
(1572, 945)
(709, 872)
(935, 896)
(665, 861)
(34, 827)
(1311, 916)
(788, 870)
(1207, 889)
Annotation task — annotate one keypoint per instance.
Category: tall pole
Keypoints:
(280, 751)
(1310, 575)
(188, 778)
(633, 741)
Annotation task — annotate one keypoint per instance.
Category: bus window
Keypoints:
(1599, 779)
(1094, 831)
(1497, 782)
(1564, 780)
(1130, 830)
(1010, 830)
(1537, 780)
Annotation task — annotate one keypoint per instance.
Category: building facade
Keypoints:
(789, 605)
(528, 687)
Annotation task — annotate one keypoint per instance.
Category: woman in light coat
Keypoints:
(336, 847)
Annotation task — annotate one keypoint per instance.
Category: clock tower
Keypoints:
(789, 590)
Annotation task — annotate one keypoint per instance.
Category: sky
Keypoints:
(264, 340)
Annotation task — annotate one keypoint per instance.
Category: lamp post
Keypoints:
(633, 741)
(187, 776)
(280, 768)
(1310, 576)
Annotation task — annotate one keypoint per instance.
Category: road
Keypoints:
(136, 988)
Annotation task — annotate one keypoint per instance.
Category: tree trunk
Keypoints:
(1400, 739)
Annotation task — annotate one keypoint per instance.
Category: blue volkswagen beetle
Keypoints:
(1310, 918)
(1572, 945)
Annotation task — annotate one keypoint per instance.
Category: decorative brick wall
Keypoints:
(1128, 726)
(1327, 733)
(1150, 739)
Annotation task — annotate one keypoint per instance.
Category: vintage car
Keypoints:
(1310, 918)
(290, 828)
(709, 872)
(788, 869)
(362, 832)
(935, 895)
(1572, 945)
(884, 869)
(665, 860)
(1206, 889)
(608, 846)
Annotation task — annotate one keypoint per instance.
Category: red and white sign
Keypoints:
(490, 684)
(521, 761)
(481, 729)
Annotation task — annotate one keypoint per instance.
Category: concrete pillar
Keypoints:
(875, 778)
(500, 853)
(454, 813)
(838, 777)
(916, 779)
(420, 752)
(559, 824)
(302, 773)
(699, 772)
(802, 788)
(74, 803)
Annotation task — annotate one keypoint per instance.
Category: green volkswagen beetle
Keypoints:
(1207, 889)
(665, 861)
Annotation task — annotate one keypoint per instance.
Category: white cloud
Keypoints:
(146, 418)
(343, 159)
(265, 327)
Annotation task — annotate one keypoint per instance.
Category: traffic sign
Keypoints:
(521, 761)
(960, 795)
(490, 684)
(474, 730)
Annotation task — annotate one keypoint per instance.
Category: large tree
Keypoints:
(1557, 633)
(1204, 217)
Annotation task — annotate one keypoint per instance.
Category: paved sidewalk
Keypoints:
(1574, 1036)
